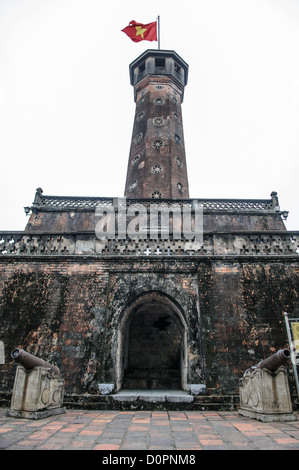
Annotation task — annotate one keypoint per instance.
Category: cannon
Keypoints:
(264, 390)
(38, 388)
(280, 358)
(28, 361)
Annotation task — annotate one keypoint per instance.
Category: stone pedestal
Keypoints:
(197, 389)
(37, 393)
(265, 395)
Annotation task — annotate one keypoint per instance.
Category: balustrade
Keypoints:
(220, 244)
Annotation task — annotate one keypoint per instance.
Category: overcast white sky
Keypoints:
(67, 107)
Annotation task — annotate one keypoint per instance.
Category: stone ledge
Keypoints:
(156, 396)
(108, 402)
(267, 417)
(35, 414)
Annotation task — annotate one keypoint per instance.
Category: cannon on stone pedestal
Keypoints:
(38, 388)
(264, 390)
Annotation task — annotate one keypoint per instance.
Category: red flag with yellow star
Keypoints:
(141, 32)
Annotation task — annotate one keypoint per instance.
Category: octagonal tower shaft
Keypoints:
(157, 161)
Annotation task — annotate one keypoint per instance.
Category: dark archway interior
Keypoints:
(153, 349)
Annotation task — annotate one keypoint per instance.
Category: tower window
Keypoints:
(180, 187)
(138, 137)
(158, 121)
(177, 68)
(156, 194)
(158, 144)
(141, 67)
(157, 168)
(133, 185)
(179, 162)
(160, 62)
(177, 138)
(140, 115)
(158, 101)
(135, 160)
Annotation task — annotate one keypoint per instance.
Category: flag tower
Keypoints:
(157, 161)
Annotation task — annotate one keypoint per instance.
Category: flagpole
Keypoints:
(158, 31)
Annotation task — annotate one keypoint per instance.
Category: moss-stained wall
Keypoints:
(53, 310)
(68, 311)
(242, 305)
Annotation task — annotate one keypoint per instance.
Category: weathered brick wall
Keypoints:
(242, 304)
(52, 310)
(68, 311)
(76, 220)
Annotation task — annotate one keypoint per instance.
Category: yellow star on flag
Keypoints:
(140, 30)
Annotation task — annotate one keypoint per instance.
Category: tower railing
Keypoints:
(90, 203)
(243, 244)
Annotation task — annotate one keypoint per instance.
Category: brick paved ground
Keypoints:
(146, 430)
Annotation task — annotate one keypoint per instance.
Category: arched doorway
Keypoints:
(152, 345)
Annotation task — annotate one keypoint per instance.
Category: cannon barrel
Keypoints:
(29, 361)
(278, 359)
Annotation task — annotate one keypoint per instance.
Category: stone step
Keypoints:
(146, 400)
